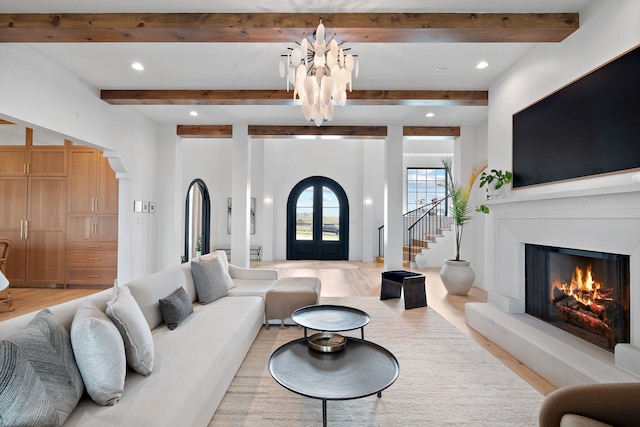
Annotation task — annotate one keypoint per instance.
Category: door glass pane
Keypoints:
(304, 215)
(330, 215)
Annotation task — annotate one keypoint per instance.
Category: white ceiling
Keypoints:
(255, 65)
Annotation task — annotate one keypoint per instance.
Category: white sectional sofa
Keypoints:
(194, 363)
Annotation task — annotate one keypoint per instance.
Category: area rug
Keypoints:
(446, 379)
(317, 265)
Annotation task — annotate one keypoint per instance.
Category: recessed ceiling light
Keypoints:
(193, 113)
(137, 66)
(429, 114)
(482, 64)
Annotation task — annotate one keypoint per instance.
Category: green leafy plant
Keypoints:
(495, 175)
(501, 178)
(198, 246)
(460, 198)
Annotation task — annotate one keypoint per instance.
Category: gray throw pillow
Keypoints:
(211, 279)
(125, 313)
(175, 308)
(99, 352)
(39, 381)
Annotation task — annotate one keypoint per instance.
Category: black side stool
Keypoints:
(414, 288)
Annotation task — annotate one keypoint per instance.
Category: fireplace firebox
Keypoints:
(582, 292)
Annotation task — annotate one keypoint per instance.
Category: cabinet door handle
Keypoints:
(93, 276)
(26, 229)
(22, 229)
(24, 168)
(96, 206)
(94, 259)
(94, 246)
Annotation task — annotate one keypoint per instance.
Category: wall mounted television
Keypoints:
(589, 127)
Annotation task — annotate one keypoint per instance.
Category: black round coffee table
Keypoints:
(361, 369)
(331, 318)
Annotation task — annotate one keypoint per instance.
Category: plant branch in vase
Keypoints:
(456, 274)
(199, 246)
(495, 180)
(460, 198)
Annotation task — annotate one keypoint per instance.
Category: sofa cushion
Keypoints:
(149, 289)
(175, 308)
(195, 363)
(125, 313)
(222, 255)
(211, 278)
(39, 381)
(99, 351)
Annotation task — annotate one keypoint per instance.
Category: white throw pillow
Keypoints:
(211, 278)
(99, 351)
(125, 313)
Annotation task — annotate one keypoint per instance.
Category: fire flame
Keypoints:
(584, 288)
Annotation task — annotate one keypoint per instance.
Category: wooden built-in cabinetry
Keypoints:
(92, 228)
(59, 206)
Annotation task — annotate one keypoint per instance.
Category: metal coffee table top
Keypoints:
(330, 318)
(361, 369)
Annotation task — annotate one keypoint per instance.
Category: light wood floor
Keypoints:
(342, 278)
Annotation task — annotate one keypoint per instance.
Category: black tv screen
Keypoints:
(590, 127)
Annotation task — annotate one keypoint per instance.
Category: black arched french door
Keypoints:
(317, 220)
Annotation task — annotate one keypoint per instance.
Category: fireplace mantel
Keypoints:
(601, 219)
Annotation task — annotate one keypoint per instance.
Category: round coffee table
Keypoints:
(361, 369)
(331, 318)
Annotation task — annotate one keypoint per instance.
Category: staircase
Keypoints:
(426, 235)
(425, 228)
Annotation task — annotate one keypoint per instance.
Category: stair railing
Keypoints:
(425, 227)
(419, 224)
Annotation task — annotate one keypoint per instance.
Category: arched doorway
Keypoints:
(197, 219)
(317, 220)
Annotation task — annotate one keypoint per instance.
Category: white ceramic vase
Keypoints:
(457, 276)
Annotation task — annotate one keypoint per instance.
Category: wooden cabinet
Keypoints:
(91, 263)
(33, 161)
(33, 213)
(92, 221)
(92, 184)
(59, 206)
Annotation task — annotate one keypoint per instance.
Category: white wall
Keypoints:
(43, 95)
(277, 166)
(607, 29)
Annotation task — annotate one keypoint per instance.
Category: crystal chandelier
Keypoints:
(320, 73)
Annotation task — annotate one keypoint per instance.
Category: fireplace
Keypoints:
(585, 293)
(601, 220)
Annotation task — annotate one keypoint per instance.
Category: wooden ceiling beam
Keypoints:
(444, 131)
(204, 131)
(342, 131)
(282, 97)
(286, 27)
(258, 131)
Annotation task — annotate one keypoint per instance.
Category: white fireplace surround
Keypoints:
(606, 220)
